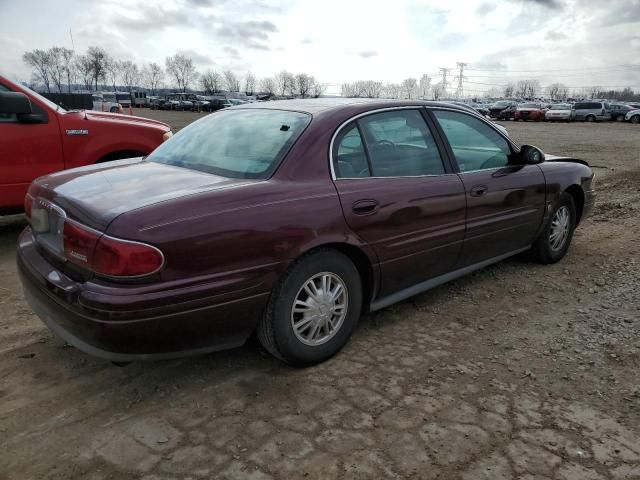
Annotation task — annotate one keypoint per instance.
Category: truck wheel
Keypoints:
(553, 242)
(313, 309)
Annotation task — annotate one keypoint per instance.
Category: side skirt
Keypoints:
(437, 281)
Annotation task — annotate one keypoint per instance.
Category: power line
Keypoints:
(586, 69)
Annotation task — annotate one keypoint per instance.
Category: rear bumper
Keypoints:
(160, 333)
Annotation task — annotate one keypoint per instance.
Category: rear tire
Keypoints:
(333, 320)
(590, 118)
(553, 242)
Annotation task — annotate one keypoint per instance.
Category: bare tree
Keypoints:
(392, 90)
(509, 90)
(558, 91)
(67, 58)
(424, 86)
(349, 90)
(85, 71)
(593, 92)
(40, 62)
(130, 74)
(249, 83)
(528, 88)
(211, 81)
(303, 83)
(318, 89)
(231, 81)
(283, 80)
(59, 61)
(181, 68)
(113, 71)
(98, 59)
(152, 76)
(268, 86)
(409, 87)
(438, 91)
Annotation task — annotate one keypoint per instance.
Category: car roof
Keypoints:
(322, 105)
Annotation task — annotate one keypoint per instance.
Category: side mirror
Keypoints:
(15, 102)
(530, 155)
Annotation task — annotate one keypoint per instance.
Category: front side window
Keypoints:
(237, 144)
(475, 145)
(7, 117)
(400, 145)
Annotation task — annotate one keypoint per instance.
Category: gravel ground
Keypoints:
(519, 371)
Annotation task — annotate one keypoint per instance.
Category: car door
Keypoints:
(27, 151)
(399, 195)
(505, 200)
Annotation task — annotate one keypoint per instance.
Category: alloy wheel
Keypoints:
(319, 308)
(560, 226)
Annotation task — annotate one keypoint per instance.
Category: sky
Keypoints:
(580, 43)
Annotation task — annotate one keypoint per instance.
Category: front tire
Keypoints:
(635, 119)
(553, 242)
(313, 309)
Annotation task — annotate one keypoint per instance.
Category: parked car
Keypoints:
(633, 116)
(38, 137)
(618, 111)
(288, 219)
(216, 104)
(102, 105)
(530, 111)
(508, 113)
(591, 111)
(499, 106)
(559, 112)
(156, 102)
(140, 99)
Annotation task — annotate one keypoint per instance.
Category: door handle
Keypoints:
(364, 207)
(478, 190)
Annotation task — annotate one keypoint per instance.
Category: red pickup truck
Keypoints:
(38, 137)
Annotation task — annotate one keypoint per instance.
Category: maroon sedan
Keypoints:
(530, 111)
(288, 219)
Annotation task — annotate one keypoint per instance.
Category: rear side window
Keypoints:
(350, 159)
(400, 144)
(245, 143)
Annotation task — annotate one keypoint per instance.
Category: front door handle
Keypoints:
(478, 190)
(364, 207)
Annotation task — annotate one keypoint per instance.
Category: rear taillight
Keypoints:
(109, 256)
(28, 205)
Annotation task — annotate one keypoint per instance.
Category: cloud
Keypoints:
(251, 34)
(625, 12)
(151, 17)
(485, 8)
(450, 41)
(551, 4)
(306, 41)
(554, 35)
(368, 53)
(200, 59)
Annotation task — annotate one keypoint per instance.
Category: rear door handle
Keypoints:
(364, 207)
(478, 190)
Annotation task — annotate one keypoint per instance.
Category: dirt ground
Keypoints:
(519, 371)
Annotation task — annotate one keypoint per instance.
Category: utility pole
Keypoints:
(445, 72)
(460, 77)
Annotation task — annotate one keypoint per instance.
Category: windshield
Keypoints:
(502, 103)
(246, 143)
(561, 106)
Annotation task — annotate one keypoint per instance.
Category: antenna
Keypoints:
(460, 77)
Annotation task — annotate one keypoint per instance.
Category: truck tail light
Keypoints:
(109, 256)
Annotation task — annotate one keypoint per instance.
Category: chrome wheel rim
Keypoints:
(319, 308)
(560, 229)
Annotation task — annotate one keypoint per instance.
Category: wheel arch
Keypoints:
(577, 194)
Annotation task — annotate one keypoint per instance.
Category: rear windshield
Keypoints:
(247, 143)
(530, 105)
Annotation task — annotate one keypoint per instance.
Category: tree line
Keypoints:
(59, 68)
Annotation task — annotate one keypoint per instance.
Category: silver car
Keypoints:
(633, 116)
(591, 111)
(559, 112)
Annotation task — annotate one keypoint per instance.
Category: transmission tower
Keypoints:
(460, 77)
(445, 72)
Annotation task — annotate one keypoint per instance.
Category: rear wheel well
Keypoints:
(120, 154)
(578, 199)
(362, 264)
